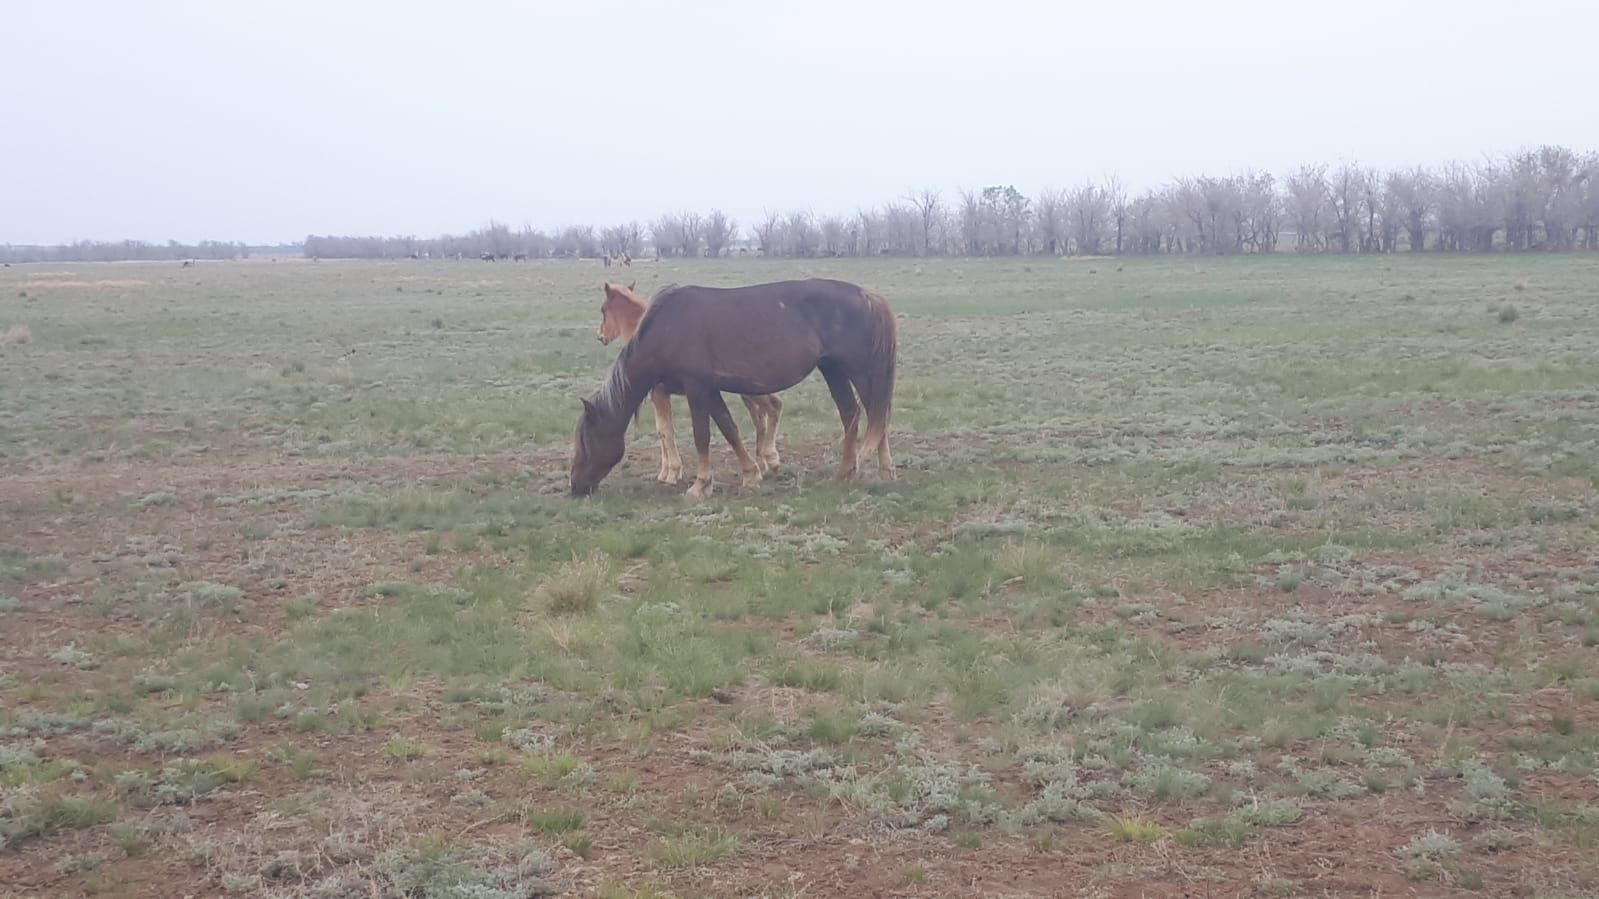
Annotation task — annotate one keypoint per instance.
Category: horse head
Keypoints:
(596, 449)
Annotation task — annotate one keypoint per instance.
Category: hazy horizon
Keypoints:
(266, 122)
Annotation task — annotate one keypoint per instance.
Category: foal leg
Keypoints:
(671, 462)
(700, 414)
(758, 419)
(774, 411)
(849, 413)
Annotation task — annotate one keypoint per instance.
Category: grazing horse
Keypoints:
(619, 319)
(755, 340)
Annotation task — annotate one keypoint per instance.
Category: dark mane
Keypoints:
(649, 313)
(610, 396)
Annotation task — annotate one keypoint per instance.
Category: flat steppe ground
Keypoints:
(1203, 577)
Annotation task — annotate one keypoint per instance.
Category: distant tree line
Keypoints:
(111, 251)
(1544, 199)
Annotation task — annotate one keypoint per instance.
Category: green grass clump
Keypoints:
(577, 587)
(404, 749)
(692, 846)
(29, 816)
(1133, 829)
(555, 821)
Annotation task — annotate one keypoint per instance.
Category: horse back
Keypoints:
(761, 334)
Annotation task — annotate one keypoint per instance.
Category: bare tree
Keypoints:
(1412, 199)
(691, 226)
(868, 232)
(832, 236)
(928, 205)
(720, 232)
(971, 223)
(1343, 194)
(666, 233)
(768, 232)
(1050, 219)
(1307, 195)
(800, 236)
(1116, 196)
(1087, 207)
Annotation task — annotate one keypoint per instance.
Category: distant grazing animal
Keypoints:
(620, 313)
(519, 257)
(187, 263)
(412, 256)
(487, 257)
(755, 340)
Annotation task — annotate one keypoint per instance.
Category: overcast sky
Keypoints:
(263, 122)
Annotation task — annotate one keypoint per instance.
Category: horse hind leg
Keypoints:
(849, 414)
(876, 441)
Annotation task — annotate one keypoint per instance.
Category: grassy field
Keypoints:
(1222, 577)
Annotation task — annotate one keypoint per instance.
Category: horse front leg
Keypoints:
(700, 416)
(749, 469)
(671, 462)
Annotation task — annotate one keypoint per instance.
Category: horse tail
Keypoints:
(876, 387)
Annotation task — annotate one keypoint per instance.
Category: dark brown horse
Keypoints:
(756, 340)
(620, 315)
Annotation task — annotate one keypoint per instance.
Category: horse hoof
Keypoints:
(750, 482)
(699, 491)
(773, 462)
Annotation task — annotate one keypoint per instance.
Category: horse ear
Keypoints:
(631, 284)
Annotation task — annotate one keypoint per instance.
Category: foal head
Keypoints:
(620, 312)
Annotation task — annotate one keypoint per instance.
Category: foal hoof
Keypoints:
(772, 462)
(750, 481)
(700, 490)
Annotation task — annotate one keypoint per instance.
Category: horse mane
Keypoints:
(645, 321)
(610, 395)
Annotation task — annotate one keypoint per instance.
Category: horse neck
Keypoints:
(629, 394)
(628, 318)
